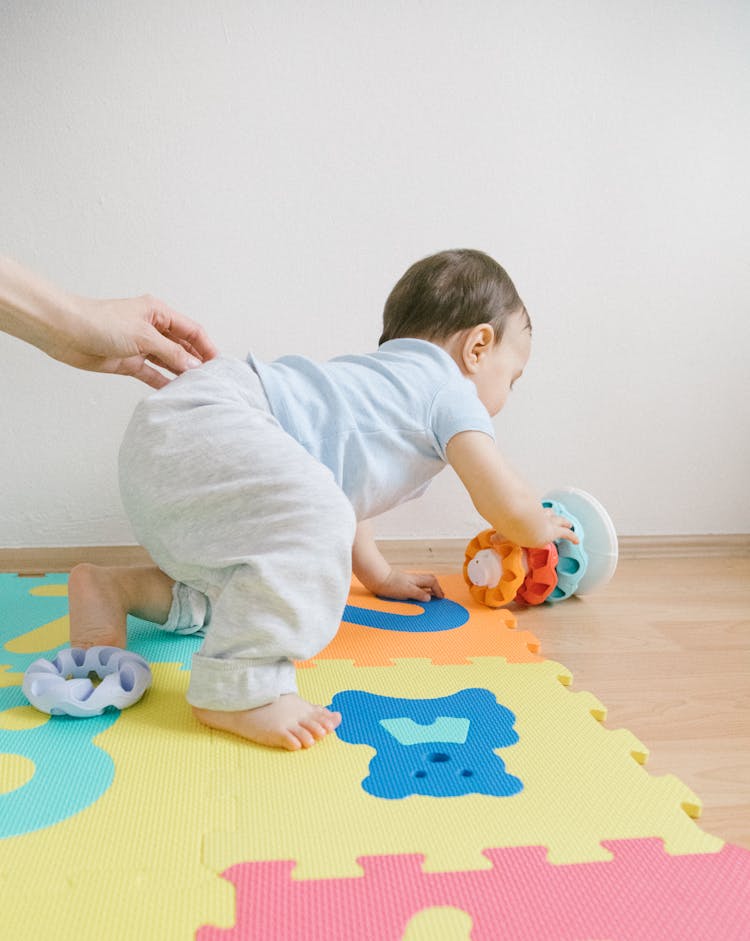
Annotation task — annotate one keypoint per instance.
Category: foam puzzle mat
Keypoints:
(468, 793)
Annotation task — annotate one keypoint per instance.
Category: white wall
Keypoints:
(271, 168)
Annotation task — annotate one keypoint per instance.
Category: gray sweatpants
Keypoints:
(255, 531)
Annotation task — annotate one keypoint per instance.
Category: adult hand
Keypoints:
(126, 336)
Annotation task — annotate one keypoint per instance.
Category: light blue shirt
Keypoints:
(379, 421)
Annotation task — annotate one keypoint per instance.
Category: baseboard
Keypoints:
(711, 546)
(444, 553)
(34, 561)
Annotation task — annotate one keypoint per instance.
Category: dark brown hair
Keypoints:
(448, 292)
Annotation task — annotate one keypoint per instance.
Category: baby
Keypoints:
(252, 485)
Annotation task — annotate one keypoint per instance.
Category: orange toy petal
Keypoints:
(514, 573)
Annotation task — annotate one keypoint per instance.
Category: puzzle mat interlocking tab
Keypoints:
(466, 788)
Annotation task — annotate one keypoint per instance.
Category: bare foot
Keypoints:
(98, 608)
(101, 597)
(288, 722)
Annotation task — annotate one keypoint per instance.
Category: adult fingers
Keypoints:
(185, 345)
(168, 352)
(179, 327)
(139, 369)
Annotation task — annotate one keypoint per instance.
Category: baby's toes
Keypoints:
(287, 739)
(329, 720)
(316, 729)
(303, 734)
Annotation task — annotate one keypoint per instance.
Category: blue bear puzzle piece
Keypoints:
(432, 747)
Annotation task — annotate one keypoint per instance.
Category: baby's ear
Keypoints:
(478, 342)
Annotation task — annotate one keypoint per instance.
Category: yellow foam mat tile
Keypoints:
(147, 827)
(581, 784)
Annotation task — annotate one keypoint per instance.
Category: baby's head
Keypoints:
(464, 301)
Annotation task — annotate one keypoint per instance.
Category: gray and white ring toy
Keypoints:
(125, 677)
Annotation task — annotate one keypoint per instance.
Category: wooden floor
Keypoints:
(665, 647)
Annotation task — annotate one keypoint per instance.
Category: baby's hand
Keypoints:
(561, 527)
(558, 528)
(410, 586)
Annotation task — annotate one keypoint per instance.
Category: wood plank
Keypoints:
(666, 647)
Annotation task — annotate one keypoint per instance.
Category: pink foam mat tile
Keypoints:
(642, 894)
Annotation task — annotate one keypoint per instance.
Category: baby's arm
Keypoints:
(378, 577)
(500, 495)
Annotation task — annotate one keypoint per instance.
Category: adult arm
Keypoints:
(111, 336)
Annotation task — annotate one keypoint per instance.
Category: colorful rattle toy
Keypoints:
(497, 571)
(63, 686)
